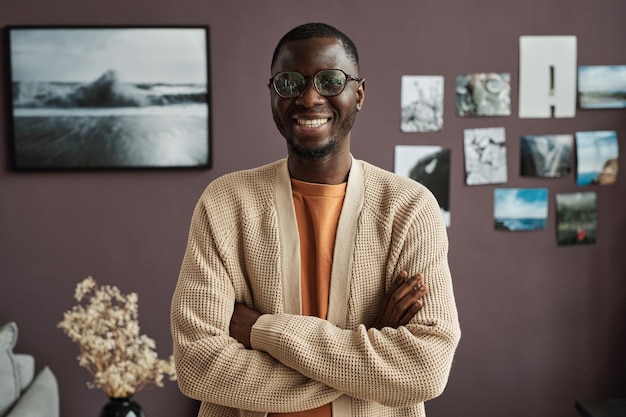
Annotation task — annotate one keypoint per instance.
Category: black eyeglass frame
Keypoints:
(306, 78)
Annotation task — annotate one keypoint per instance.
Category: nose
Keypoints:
(310, 97)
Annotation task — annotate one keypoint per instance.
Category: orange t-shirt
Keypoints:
(317, 210)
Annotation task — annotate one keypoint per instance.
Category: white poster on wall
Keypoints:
(547, 79)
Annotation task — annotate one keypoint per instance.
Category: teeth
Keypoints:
(312, 123)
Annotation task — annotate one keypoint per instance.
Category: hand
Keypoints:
(402, 301)
(241, 323)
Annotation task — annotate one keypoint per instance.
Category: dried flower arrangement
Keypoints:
(121, 361)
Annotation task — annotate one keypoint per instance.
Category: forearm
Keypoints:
(214, 367)
(211, 365)
(245, 379)
(394, 367)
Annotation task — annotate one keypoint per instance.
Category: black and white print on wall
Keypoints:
(483, 94)
(576, 218)
(602, 86)
(421, 103)
(485, 156)
(546, 155)
(430, 166)
(109, 97)
(597, 157)
(520, 209)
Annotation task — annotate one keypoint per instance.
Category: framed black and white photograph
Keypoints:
(110, 97)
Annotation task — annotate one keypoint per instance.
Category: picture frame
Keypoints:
(109, 97)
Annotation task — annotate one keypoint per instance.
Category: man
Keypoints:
(317, 285)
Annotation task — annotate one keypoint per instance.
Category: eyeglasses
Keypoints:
(327, 82)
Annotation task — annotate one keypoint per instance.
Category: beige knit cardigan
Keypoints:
(244, 247)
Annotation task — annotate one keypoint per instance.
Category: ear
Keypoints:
(360, 95)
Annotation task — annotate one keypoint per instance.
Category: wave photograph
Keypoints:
(143, 111)
(520, 209)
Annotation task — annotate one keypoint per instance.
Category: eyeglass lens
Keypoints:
(291, 84)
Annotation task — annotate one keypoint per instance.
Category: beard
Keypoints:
(322, 151)
(312, 154)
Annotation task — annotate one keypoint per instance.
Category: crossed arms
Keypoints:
(262, 359)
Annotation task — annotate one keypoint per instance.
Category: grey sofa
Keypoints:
(22, 394)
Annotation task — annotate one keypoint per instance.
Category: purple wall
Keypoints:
(542, 325)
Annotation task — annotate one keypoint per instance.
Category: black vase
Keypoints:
(122, 407)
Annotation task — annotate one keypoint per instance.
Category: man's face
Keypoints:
(313, 125)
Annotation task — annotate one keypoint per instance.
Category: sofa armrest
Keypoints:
(9, 375)
(25, 366)
(40, 399)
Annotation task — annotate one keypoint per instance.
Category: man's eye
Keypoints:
(331, 81)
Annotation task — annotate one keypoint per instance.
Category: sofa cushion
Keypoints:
(25, 365)
(9, 378)
(41, 399)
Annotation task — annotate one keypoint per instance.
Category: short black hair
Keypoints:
(318, 30)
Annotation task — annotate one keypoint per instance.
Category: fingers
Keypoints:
(397, 283)
(412, 287)
(404, 299)
(241, 323)
(412, 311)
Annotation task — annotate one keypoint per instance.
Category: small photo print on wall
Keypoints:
(597, 154)
(430, 166)
(576, 218)
(520, 209)
(602, 86)
(485, 156)
(421, 103)
(109, 97)
(483, 94)
(546, 155)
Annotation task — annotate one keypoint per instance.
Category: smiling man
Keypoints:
(316, 125)
(317, 285)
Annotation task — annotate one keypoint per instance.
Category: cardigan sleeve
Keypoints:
(394, 367)
(213, 367)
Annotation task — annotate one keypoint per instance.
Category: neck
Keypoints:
(333, 169)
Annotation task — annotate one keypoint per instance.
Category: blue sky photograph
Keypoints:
(521, 203)
(520, 209)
